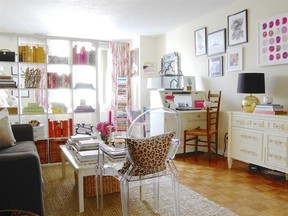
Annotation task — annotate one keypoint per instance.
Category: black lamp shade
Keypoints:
(251, 83)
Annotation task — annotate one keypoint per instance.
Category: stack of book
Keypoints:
(87, 157)
(84, 145)
(76, 138)
(7, 82)
(113, 154)
(272, 109)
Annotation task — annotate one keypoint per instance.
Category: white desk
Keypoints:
(258, 139)
(188, 120)
(82, 171)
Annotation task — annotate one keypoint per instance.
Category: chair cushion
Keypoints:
(147, 155)
(6, 135)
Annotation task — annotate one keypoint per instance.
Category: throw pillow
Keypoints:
(7, 138)
(148, 155)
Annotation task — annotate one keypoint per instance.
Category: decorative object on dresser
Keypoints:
(251, 83)
(272, 109)
(210, 129)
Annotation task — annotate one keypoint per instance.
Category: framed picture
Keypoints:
(237, 28)
(234, 59)
(215, 66)
(148, 67)
(134, 61)
(200, 41)
(217, 42)
(273, 40)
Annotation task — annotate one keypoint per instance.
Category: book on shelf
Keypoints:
(271, 112)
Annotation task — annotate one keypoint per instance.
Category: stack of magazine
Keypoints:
(272, 109)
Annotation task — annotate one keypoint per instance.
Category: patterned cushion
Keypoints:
(6, 135)
(147, 155)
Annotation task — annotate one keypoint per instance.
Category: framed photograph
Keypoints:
(237, 28)
(24, 93)
(273, 40)
(234, 59)
(134, 61)
(216, 42)
(215, 66)
(200, 41)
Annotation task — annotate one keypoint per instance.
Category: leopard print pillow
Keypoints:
(148, 154)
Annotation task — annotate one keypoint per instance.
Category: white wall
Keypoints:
(182, 40)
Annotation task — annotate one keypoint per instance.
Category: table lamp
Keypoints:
(251, 83)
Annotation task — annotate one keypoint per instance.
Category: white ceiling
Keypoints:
(101, 19)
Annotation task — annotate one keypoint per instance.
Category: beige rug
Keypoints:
(61, 199)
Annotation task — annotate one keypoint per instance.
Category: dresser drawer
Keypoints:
(248, 122)
(278, 143)
(277, 159)
(247, 144)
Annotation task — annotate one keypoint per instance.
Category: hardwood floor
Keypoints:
(243, 192)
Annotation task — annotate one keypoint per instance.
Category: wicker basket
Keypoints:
(55, 151)
(42, 149)
(110, 185)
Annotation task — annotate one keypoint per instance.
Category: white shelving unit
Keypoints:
(66, 92)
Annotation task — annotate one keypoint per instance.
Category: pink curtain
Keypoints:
(120, 68)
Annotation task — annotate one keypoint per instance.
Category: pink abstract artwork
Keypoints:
(273, 40)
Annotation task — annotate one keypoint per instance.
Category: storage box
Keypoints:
(55, 151)
(11, 110)
(7, 55)
(42, 149)
(38, 132)
(110, 185)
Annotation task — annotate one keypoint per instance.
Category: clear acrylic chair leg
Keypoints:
(125, 197)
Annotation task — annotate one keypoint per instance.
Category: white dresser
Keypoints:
(258, 139)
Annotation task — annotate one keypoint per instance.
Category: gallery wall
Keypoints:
(181, 40)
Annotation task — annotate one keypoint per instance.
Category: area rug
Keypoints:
(61, 199)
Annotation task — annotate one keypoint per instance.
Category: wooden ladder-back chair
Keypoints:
(191, 136)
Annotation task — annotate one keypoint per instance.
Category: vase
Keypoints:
(105, 139)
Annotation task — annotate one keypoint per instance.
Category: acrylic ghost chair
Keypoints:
(157, 150)
(141, 124)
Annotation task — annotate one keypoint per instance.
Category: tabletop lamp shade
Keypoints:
(251, 83)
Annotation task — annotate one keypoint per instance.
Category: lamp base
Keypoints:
(249, 103)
